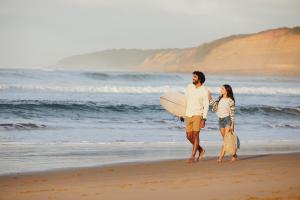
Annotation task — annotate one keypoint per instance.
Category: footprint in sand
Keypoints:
(125, 185)
(77, 174)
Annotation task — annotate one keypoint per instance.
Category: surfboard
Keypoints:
(174, 103)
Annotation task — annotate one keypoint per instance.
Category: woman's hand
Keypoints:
(232, 127)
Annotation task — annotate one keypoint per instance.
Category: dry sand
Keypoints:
(252, 177)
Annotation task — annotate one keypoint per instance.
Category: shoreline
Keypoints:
(251, 177)
(178, 151)
(147, 161)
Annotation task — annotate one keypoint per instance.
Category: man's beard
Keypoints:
(196, 82)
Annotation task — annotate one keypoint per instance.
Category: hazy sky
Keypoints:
(40, 32)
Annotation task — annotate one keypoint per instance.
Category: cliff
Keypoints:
(274, 52)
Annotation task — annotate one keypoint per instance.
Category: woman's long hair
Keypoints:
(229, 92)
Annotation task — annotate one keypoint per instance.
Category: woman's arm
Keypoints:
(212, 102)
(231, 113)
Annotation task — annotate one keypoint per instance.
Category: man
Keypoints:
(197, 104)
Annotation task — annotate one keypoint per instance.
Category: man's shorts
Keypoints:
(192, 124)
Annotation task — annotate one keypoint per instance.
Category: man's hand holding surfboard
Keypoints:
(175, 103)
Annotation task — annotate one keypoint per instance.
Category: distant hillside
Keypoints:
(274, 52)
(116, 58)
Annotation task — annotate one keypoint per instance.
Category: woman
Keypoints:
(224, 107)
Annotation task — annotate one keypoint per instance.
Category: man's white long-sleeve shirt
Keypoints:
(197, 102)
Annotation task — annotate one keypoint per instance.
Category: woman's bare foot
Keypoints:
(234, 158)
(201, 153)
(220, 160)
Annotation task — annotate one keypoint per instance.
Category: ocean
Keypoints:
(52, 119)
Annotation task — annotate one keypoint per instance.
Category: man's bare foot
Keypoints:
(191, 160)
(201, 153)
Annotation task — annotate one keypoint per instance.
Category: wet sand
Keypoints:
(251, 177)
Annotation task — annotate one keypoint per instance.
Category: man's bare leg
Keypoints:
(195, 145)
(200, 149)
(190, 137)
(201, 154)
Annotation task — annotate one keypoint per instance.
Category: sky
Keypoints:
(38, 33)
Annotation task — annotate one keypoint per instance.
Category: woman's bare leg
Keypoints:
(222, 152)
(224, 131)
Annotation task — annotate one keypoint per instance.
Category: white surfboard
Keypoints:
(174, 103)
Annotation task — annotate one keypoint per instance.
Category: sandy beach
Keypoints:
(252, 177)
(92, 95)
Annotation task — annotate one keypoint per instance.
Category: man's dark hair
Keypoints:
(200, 75)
